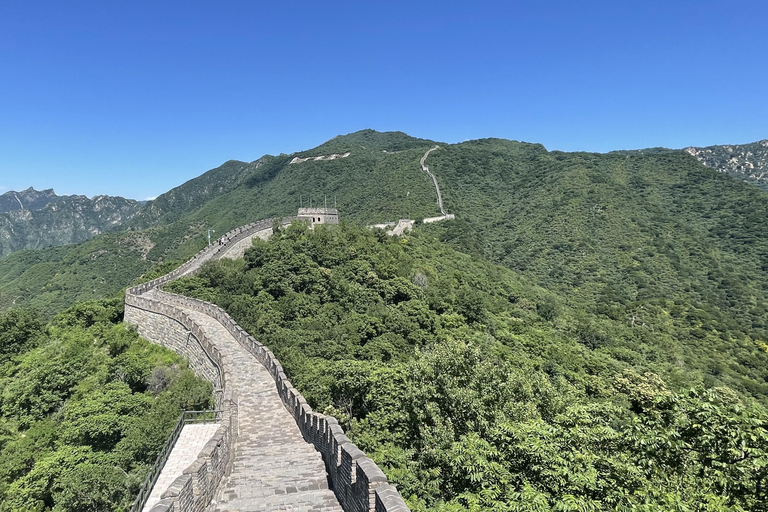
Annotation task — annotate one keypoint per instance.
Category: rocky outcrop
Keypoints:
(748, 162)
(29, 199)
(63, 220)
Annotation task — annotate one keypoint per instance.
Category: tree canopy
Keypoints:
(86, 406)
(475, 389)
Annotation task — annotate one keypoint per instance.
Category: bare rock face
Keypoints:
(29, 199)
(748, 162)
(34, 219)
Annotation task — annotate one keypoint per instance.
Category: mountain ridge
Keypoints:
(29, 199)
(62, 220)
(491, 184)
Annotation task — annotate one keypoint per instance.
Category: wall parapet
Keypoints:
(358, 483)
(215, 459)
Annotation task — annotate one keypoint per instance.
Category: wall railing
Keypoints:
(186, 418)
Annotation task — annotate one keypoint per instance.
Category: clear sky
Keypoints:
(135, 97)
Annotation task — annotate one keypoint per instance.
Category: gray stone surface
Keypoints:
(261, 448)
(274, 467)
(191, 440)
(237, 249)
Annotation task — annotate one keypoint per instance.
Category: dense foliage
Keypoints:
(52, 279)
(371, 185)
(477, 390)
(616, 358)
(650, 239)
(86, 406)
(619, 229)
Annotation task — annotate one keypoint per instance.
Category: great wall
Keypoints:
(271, 451)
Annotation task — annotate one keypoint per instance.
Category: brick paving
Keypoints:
(185, 451)
(274, 468)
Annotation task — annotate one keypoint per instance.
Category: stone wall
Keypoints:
(236, 250)
(357, 481)
(170, 333)
(167, 325)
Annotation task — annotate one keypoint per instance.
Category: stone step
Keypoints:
(244, 501)
(275, 471)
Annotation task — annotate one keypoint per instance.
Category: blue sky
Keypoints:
(134, 98)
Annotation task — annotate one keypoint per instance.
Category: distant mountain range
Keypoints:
(29, 199)
(29, 219)
(33, 219)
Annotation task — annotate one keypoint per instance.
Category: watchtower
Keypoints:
(319, 215)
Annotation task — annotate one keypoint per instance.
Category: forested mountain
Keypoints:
(369, 186)
(607, 227)
(48, 220)
(747, 162)
(190, 196)
(618, 232)
(589, 333)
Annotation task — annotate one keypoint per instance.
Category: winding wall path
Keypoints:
(272, 451)
(434, 179)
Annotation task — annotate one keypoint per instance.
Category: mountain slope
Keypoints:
(380, 182)
(644, 237)
(653, 240)
(748, 162)
(463, 383)
(188, 197)
(63, 220)
(620, 359)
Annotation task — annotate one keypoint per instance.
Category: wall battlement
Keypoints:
(356, 480)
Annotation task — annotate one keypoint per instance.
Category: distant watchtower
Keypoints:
(319, 215)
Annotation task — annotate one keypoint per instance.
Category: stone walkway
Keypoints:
(237, 250)
(274, 468)
(185, 451)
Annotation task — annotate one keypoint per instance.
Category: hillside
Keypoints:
(48, 220)
(584, 313)
(473, 387)
(86, 407)
(371, 185)
(615, 233)
(748, 162)
(188, 197)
